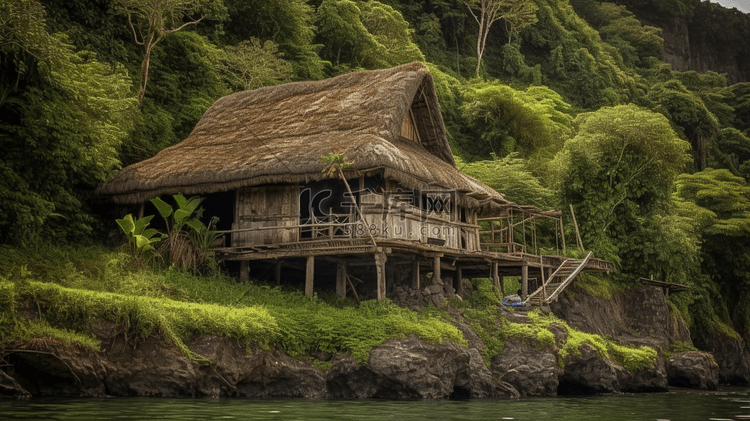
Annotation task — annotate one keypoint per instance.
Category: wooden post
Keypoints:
(435, 270)
(575, 224)
(494, 274)
(544, 279)
(524, 282)
(501, 281)
(309, 275)
(140, 212)
(562, 234)
(244, 271)
(277, 273)
(380, 269)
(390, 275)
(341, 279)
(415, 274)
(460, 281)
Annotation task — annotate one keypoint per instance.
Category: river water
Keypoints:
(676, 405)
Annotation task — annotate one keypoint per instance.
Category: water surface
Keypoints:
(676, 405)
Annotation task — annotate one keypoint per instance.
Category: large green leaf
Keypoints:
(180, 200)
(163, 207)
(149, 233)
(127, 224)
(141, 241)
(195, 224)
(179, 217)
(192, 204)
(142, 223)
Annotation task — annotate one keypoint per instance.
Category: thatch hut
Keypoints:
(404, 201)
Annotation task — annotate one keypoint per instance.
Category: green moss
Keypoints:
(597, 285)
(677, 347)
(322, 365)
(631, 358)
(101, 283)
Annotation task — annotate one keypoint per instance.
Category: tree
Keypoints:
(62, 117)
(253, 64)
(507, 120)
(517, 14)
(719, 202)
(689, 113)
(152, 20)
(618, 170)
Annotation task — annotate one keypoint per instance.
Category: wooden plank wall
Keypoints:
(275, 206)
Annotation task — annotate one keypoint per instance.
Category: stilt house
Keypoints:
(405, 215)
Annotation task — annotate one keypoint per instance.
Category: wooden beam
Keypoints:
(524, 282)
(495, 277)
(415, 274)
(380, 269)
(244, 271)
(341, 279)
(435, 269)
(309, 275)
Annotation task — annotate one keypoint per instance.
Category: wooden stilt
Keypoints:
(341, 279)
(524, 282)
(562, 235)
(277, 273)
(309, 275)
(380, 269)
(244, 271)
(494, 274)
(435, 269)
(390, 275)
(459, 281)
(415, 274)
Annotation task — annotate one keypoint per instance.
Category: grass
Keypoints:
(73, 287)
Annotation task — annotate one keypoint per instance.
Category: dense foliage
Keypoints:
(570, 106)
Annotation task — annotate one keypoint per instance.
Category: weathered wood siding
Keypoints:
(262, 207)
(402, 221)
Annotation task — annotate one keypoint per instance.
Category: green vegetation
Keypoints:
(561, 102)
(482, 313)
(71, 288)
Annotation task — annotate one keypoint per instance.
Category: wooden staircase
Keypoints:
(557, 282)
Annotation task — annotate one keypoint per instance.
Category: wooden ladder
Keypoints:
(558, 281)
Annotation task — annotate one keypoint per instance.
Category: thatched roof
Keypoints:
(278, 134)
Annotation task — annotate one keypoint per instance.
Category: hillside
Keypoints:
(636, 114)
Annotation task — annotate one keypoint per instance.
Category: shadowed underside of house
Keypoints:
(400, 213)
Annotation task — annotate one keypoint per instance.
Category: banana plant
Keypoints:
(139, 235)
(186, 213)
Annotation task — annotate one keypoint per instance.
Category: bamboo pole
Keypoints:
(575, 224)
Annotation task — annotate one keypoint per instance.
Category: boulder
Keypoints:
(410, 368)
(693, 369)
(732, 356)
(638, 316)
(649, 379)
(587, 372)
(531, 371)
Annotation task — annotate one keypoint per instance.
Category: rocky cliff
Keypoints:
(401, 368)
(704, 36)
